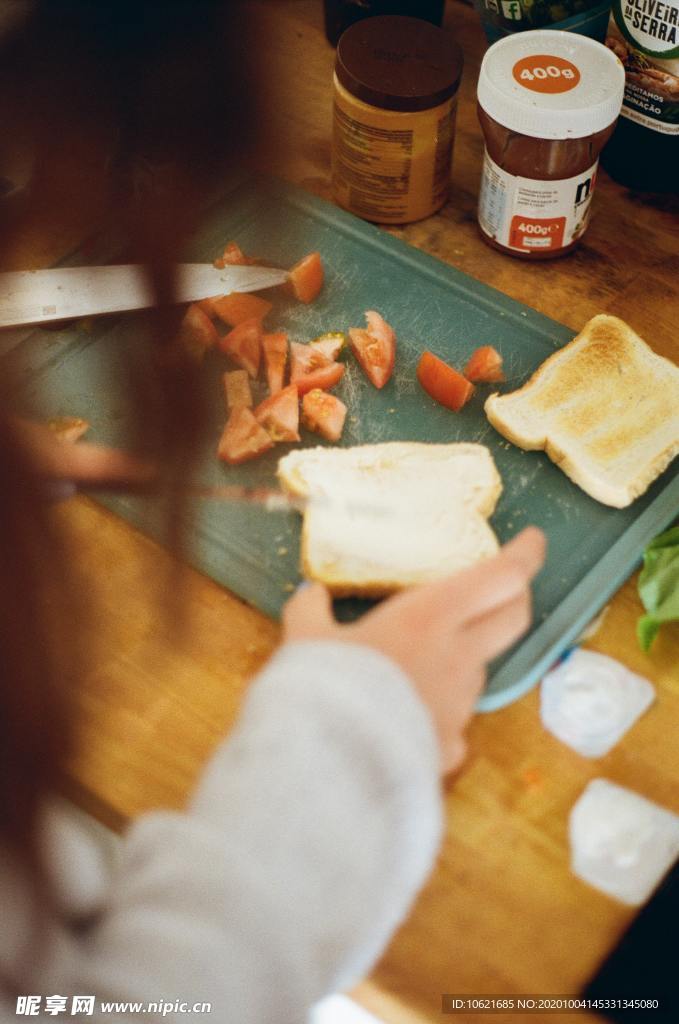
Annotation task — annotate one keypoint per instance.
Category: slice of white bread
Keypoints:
(605, 408)
(381, 517)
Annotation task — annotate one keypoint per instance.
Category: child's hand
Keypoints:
(80, 463)
(442, 634)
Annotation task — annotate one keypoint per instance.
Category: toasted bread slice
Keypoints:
(385, 516)
(605, 408)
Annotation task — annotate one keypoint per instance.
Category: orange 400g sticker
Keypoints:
(546, 73)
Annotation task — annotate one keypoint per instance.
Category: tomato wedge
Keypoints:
(324, 378)
(375, 348)
(324, 414)
(279, 415)
(244, 344)
(243, 438)
(197, 333)
(304, 359)
(233, 256)
(306, 278)
(275, 348)
(442, 382)
(233, 309)
(485, 366)
(237, 389)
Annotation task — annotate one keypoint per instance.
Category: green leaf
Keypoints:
(659, 586)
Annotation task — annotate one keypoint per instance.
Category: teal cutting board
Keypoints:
(592, 548)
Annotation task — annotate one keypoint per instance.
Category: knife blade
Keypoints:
(41, 296)
(274, 500)
(271, 499)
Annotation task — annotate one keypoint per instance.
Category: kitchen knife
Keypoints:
(274, 500)
(271, 499)
(41, 296)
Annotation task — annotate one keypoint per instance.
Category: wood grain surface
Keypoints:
(502, 913)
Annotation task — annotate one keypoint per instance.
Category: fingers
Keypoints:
(490, 584)
(81, 462)
(308, 614)
(493, 633)
(527, 549)
(93, 465)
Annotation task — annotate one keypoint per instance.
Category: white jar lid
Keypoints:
(551, 84)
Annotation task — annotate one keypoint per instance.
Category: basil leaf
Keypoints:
(659, 586)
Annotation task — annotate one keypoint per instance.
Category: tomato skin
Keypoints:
(324, 378)
(305, 279)
(375, 348)
(485, 366)
(443, 383)
(304, 359)
(243, 438)
(243, 344)
(324, 414)
(275, 349)
(279, 415)
(197, 333)
(233, 309)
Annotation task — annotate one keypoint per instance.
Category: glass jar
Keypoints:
(395, 95)
(547, 103)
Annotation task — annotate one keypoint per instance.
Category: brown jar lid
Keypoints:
(398, 63)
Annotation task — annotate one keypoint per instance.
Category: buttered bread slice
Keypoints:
(605, 408)
(385, 516)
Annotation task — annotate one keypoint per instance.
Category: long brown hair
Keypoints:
(151, 103)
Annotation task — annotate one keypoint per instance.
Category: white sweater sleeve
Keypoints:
(309, 836)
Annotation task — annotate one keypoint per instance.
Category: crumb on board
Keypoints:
(282, 551)
(288, 587)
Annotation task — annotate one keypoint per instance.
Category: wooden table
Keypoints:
(502, 913)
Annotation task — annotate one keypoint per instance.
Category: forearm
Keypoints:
(308, 838)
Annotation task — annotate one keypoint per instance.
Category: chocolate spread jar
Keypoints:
(395, 98)
(547, 102)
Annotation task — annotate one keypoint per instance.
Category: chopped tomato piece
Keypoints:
(243, 344)
(375, 348)
(485, 366)
(243, 438)
(275, 348)
(324, 414)
(233, 309)
(304, 359)
(206, 306)
(197, 333)
(233, 256)
(442, 382)
(237, 389)
(306, 278)
(324, 378)
(279, 415)
(330, 344)
(68, 428)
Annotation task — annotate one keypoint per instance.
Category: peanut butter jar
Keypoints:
(395, 95)
(547, 102)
